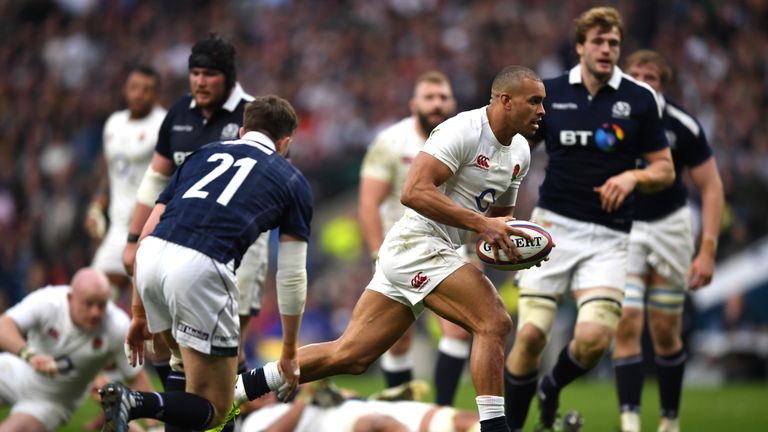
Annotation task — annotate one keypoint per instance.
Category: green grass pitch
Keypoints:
(735, 407)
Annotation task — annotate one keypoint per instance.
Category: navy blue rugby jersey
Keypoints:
(689, 149)
(227, 193)
(590, 139)
(185, 130)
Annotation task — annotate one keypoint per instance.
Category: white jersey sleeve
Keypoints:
(30, 313)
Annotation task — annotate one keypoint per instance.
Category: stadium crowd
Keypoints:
(348, 67)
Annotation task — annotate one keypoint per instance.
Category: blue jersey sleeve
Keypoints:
(297, 217)
(170, 189)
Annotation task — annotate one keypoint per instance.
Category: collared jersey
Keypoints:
(227, 193)
(388, 159)
(45, 319)
(485, 172)
(590, 139)
(185, 130)
(689, 149)
(128, 147)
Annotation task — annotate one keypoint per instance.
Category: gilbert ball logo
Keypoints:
(608, 136)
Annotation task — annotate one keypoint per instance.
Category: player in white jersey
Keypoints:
(382, 176)
(464, 181)
(56, 341)
(310, 414)
(129, 139)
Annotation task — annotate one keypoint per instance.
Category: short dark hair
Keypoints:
(605, 18)
(271, 115)
(510, 77)
(646, 56)
(146, 70)
(215, 53)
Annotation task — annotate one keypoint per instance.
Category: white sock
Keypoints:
(490, 407)
(396, 363)
(272, 375)
(453, 347)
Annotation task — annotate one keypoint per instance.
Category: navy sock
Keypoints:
(669, 373)
(447, 375)
(496, 424)
(162, 369)
(180, 409)
(255, 383)
(176, 381)
(394, 379)
(629, 373)
(518, 392)
(565, 371)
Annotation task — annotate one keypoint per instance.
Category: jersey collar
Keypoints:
(574, 76)
(255, 137)
(235, 96)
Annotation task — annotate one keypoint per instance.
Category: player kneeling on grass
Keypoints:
(62, 336)
(216, 205)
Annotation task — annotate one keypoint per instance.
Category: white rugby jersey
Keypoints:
(388, 159)
(44, 316)
(128, 148)
(485, 173)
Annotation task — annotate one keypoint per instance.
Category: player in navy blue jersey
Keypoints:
(212, 111)
(216, 205)
(598, 122)
(661, 246)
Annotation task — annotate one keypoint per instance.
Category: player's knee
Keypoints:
(630, 325)
(591, 342)
(666, 337)
(530, 340)
(353, 360)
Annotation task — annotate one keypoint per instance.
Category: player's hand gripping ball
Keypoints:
(533, 251)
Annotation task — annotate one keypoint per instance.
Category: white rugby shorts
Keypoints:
(252, 275)
(109, 255)
(587, 255)
(190, 293)
(412, 263)
(18, 388)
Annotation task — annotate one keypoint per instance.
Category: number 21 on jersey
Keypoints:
(226, 161)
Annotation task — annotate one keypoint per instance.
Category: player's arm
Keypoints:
(155, 179)
(372, 193)
(421, 194)
(656, 176)
(288, 421)
(11, 339)
(96, 217)
(707, 179)
(291, 278)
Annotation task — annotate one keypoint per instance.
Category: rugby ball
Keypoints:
(533, 251)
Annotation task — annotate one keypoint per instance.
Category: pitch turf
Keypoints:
(737, 407)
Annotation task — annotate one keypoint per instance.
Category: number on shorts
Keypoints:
(244, 166)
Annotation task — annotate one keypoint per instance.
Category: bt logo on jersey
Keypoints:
(605, 137)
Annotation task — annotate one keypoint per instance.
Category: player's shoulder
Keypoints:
(682, 118)
(49, 295)
(158, 112)
(466, 122)
(181, 105)
(117, 118)
(634, 87)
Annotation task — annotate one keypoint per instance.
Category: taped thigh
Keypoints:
(663, 298)
(634, 292)
(602, 308)
(537, 309)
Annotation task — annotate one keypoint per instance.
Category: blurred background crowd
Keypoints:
(348, 66)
